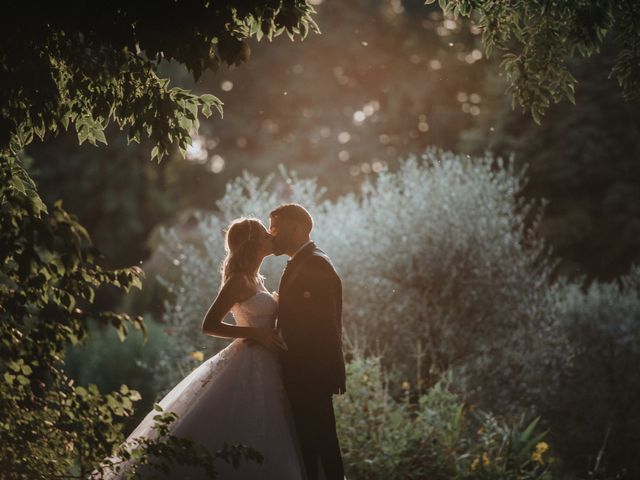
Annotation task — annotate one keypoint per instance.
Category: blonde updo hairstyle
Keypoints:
(241, 244)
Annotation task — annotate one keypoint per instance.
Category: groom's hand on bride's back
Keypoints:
(268, 338)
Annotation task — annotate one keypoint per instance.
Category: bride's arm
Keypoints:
(235, 290)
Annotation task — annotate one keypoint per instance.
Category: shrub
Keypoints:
(443, 270)
(104, 360)
(431, 434)
(48, 280)
(435, 255)
(595, 406)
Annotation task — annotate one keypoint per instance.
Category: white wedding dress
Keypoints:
(236, 396)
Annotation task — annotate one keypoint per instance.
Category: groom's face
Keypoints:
(281, 233)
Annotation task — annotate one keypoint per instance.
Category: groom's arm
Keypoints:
(322, 301)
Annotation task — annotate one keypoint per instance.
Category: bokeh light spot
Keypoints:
(344, 137)
(197, 152)
(216, 164)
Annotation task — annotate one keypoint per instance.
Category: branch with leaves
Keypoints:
(537, 39)
(62, 66)
(163, 451)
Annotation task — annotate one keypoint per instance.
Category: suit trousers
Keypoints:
(316, 426)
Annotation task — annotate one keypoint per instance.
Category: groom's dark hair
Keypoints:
(295, 213)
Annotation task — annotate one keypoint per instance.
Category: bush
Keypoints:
(104, 360)
(431, 434)
(443, 271)
(435, 259)
(48, 281)
(596, 404)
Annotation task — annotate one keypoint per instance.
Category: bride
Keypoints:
(237, 396)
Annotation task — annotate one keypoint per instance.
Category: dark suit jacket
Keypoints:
(310, 318)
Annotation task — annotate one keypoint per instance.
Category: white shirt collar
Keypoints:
(300, 249)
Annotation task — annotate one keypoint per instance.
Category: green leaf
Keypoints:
(99, 134)
(529, 430)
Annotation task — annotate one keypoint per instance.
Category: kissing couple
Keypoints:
(271, 388)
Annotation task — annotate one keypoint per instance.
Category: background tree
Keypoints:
(584, 160)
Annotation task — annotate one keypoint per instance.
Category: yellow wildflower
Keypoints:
(542, 447)
(476, 462)
(406, 385)
(537, 457)
(197, 356)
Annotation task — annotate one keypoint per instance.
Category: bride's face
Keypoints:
(265, 242)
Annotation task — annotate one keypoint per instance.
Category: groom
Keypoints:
(309, 318)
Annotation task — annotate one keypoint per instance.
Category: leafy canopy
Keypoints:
(61, 65)
(538, 37)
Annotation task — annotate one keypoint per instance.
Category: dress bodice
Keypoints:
(260, 310)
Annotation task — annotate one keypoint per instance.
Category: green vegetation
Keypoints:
(445, 279)
(431, 433)
(537, 38)
(90, 73)
(84, 69)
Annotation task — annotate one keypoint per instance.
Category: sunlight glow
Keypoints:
(197, 152)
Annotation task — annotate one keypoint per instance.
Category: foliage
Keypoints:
(87, 68)
(116, 193)
(584, 160)
(443, 270)
(164, 453)
(105, 360)
(454, 273)
(436, 259)
(429, 433)
(536, 38)
(47, 284)
(595, 406)
(93, 67)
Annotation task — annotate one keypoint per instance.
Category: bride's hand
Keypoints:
(269, 339)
